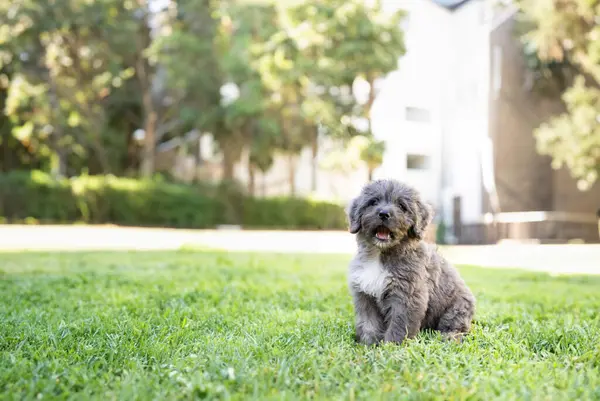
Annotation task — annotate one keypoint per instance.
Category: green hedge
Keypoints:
(36, 197)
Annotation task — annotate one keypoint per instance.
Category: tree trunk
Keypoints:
(148, 150)
(292, 174)
(228, 162)
(231, 147)
(58, 166)
(150, 121)
(370, 100)
(251, 179)
(315, 152)
(144, 74)
(7, 155)
(196, 151)
(131, 164)
(101, 154)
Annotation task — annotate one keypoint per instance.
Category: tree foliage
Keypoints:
(565, 36)
(372, 155)
(573, 138)
(79, 77)
(312, 63)
(64, 63)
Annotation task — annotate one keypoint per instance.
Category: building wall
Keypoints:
(568, 198)
(407, 113)
(525, 179)
(465, 111)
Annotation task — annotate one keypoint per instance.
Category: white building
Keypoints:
(459, 106)
(432, 112)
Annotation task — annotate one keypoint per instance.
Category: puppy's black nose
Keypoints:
(384, 215)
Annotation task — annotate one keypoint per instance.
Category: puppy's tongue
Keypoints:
(383, 233)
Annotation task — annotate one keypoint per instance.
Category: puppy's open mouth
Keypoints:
(383, 234)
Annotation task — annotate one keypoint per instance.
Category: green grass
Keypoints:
(190, 325)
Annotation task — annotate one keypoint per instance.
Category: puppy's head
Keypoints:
(387, 213)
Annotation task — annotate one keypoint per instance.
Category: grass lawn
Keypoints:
(190, 325)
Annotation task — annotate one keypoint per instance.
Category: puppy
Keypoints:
(400, 284)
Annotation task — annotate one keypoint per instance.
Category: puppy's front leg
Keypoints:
(403, 315)
(369, 322)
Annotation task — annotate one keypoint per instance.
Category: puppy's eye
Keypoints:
(373, 202)
(402, 206)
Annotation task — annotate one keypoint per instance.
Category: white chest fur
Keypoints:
(369, 277)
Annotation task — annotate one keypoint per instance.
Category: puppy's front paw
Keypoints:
(368, 337)
(453, 336)
(394, 336)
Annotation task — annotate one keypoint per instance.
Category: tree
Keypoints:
(277, 62)
(13, 154)
(355, 39)
(573, 138)
(223, 94)
(177, 69)
(63, 70)
(313, 61)
(359, 151)
(566, 32)
(248, 121)
(262, 145)
(372, 155)
(80, 77)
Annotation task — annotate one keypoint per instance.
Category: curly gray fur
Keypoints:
(399, 283)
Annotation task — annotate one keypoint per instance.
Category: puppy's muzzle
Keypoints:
(384, 214)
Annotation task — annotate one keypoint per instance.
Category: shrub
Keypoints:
(292, 212)
(35, 196)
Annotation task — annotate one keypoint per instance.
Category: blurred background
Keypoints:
(273, 114)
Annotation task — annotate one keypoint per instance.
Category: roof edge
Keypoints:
(452, 7)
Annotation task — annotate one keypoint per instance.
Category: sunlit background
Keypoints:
(174, 176)
(480, 104)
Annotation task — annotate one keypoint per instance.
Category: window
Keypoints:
(417, 162)
(417, 114)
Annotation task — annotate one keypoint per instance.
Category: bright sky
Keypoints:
(156, 5)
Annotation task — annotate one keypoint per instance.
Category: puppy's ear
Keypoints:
(354, 216)
(423, 216)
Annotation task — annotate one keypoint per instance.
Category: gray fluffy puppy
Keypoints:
(399, 283)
